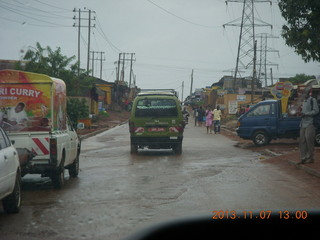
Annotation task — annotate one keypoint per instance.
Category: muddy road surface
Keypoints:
(117, 193)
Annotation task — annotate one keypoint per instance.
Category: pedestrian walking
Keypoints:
(186, 115)
(209, 119)
(195, 115)
(307, 130)
(201, 115)
(216, 119)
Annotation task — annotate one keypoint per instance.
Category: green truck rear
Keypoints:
(156, 122)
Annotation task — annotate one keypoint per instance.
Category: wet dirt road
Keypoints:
(117, 193)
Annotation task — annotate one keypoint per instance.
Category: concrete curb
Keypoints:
(306, 168)
(82, 137)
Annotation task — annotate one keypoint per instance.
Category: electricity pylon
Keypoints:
(247, 23)
(264, 49)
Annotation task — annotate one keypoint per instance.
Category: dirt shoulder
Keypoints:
(282, 152)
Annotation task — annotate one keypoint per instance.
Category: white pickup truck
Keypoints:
(33, 113)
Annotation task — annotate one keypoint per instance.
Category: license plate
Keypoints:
(156, 129)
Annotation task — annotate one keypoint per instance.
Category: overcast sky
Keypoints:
(169, 37)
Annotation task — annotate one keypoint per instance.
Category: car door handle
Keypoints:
(266, 119)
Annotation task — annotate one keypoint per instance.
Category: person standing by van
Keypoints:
(307, 130)
(216, 119)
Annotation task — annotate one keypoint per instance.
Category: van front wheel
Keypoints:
(260, 138)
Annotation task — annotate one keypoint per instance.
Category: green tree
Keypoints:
(77, 109)
(302, 29)
(301, 78)
(55, 64)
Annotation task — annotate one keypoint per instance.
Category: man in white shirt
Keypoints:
(17, 115)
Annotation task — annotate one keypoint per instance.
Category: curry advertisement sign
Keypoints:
(31, 102)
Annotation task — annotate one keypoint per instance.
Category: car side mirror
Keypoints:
(13, 142)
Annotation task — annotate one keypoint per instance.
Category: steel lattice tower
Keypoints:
(247, 23)
(264, 49)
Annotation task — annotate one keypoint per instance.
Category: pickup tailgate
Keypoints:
(37, 142)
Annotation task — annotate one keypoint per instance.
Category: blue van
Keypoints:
(265, 121)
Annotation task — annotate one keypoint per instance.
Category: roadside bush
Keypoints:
(77, 109)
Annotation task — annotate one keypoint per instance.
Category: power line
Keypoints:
(18, 12)
(47, 4)
(173, 68)
(104, 36)
(181, 18)
(36, 10)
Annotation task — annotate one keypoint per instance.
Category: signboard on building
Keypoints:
(241, 98)
(233, 107)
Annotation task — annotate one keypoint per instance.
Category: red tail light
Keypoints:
(133, 129)
(53, 146)
(53, 150)
(176, 129)
(138, 130)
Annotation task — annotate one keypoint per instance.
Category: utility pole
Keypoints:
(89, 31)
(264, 49)
(122, 59)
(79, 25)
(99, 57)
(92, 68)
(118, 69)
(271, 75)
(254, 74)
(122, 70)
(182, 91)
(191, 83)
(247, 34)
(131, 60)
(101, 64)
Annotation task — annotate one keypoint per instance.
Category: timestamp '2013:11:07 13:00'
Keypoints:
(265, 214)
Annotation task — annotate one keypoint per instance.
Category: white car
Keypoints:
(10, 175)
